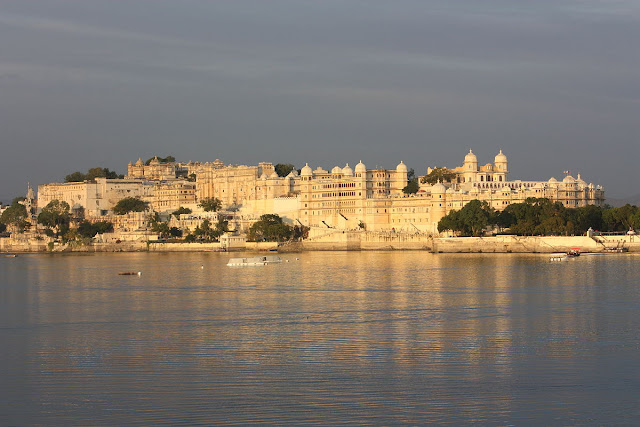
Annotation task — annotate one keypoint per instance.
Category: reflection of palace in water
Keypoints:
(341, 198)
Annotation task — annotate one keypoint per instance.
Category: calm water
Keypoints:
(330, 339)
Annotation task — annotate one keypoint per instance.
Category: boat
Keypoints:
(573, 253)
(256, 260)
(616, 249)
(558, 257)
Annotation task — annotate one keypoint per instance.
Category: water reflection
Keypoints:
(331, 338)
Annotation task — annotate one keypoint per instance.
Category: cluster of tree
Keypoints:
(181, 210)
(90, 229)
(56, 217)
(271, 228)
(91, 175)
(130, 204)
(412, 183)
(284, 169)
(163, 229)
(168, 159)
(539, 216)
(15, 216)
(438, 175)
(205, 231)
(211, 204)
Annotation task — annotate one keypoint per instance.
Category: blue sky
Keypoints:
(554, 84)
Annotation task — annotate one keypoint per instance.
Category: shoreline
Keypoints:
(356, 242)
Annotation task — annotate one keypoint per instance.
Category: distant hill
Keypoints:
(632, 200)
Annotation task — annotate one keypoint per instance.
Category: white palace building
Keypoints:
(342, 198)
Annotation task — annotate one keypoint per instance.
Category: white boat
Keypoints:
(558, 257)
(256, 260)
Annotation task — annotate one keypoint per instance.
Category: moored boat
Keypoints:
(558, 257)
(256, 260)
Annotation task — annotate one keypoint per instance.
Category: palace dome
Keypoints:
(568, 179)
(360, 167)
(401, 167)
(336, 169)
(500, 158)
(347, 170)
(139, 162)
(438, 188)
(306, 170)
(552, 180)
(470, 157)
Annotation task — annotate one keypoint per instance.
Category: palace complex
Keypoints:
(343, 198)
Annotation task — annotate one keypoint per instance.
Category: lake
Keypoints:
(327, 338)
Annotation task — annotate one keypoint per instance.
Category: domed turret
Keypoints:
(360, 167)
(306, 170)
(347, 171)
(401, 167)
(438, 188)
(470, 157)
(568, 179)
(139, 162)
(500, 158)
(552, 180)
(336, 169)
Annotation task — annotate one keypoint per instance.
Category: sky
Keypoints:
(553, 83)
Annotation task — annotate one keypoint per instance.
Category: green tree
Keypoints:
(412, 187)
(89, 229)
(438, 175)
(130, 204)
(92, 174)
(3, 227)
(212, 204)
(56, 216)
(162, 228)
(168, 159)
(283, 169)
(75, 177)
(471, 220)
(181, 210)
(175, 232)
(270, 227)
(15, 216)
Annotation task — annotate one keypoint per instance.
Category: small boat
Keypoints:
(129, 273)
(558, 257)
(616, 249)
(256, 260)
(573, 253)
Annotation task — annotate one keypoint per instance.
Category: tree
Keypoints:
(162, 228)
(471, 220)
(129, 204)
(88, 229)
(438, 175)
(212, 204)
(56, 216)
(92, 174)
(15, 216)
(181, 210)
(412, 187)
(3, 227)
(270, 227)
(75, 177)
(168, 159)
(175, 232)
(283, 169)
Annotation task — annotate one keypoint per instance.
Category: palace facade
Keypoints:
(341, 198)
